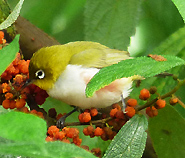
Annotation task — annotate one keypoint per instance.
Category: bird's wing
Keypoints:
(99, 57)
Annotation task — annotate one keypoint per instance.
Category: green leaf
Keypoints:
(130, 140)
(111, 22)
(19, 126)
(167, 133)
(12, 17)
(8, 53)
(45, 150)
(141, 66)
(180, 4)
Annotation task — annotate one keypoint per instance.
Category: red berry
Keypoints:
(130, 111)
(160, 104)
(60, 135)
(132, 102)
(20, 103)
(73, 132)
(116, 105)
(151, 111)
(119, 115)
(113, 112)
(144, 94)
(98, 131)
(93, 112)
(52, 130)
(6, 103)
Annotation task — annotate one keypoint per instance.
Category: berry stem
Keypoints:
(180, 83)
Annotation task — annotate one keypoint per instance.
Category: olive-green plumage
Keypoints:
(53, 60)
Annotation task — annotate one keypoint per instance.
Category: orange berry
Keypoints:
(98, 131)
(151, 111)
(20, 103)
(113, 112)
(73, 132)
(77, 141)
(49, 139)
(24, 109)
(66, 140)
(96, 151)
(18, 79)
(40, 114)
(6, 87)
(84, 117)
(160, 103)
(8, 95)
(1, 37)
(52, 130)
(33, 112)
(144, 94)
(130, 111)
(119, 115)
(116, 105)
(6, 103)
(93, 111)
(132, 102)
(60, 135)
(173, 101)
(12, 104)
(85, 132)
(90, 130)
(80, 117)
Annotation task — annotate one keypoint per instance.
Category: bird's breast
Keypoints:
(71, 84)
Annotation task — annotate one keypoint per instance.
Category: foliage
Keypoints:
(159, 30)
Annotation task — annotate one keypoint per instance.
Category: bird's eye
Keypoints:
(40, 74)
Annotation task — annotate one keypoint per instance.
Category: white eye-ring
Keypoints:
(40, 74)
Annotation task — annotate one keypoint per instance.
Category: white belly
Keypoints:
(70, 88)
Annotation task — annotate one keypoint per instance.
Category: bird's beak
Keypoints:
(28, 82)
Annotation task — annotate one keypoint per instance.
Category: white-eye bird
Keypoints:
(64, 71)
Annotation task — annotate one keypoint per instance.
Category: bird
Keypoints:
(65, 70)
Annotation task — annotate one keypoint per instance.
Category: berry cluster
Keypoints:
(68, 135)
(87, 115)
(2, 40)
(13, 96)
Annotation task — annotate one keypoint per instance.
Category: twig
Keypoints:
(169, 94)
(88, 123)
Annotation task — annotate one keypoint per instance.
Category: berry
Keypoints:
(12, 104)
(153, 90)
(73, 132)
(77, 140)
(116, 105)
(119, 115)
(173, 101)
(52, 130)
(52, 113)
(84, 117)
(144, 94)
(130, 111)
(6, 103)
(132, 102)
(98, 131)
(151, 111)
(160, 104)
(60, 135)
(93, 112)
(113, 112)
(8, 95)
(49, 139)
(20, 103)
